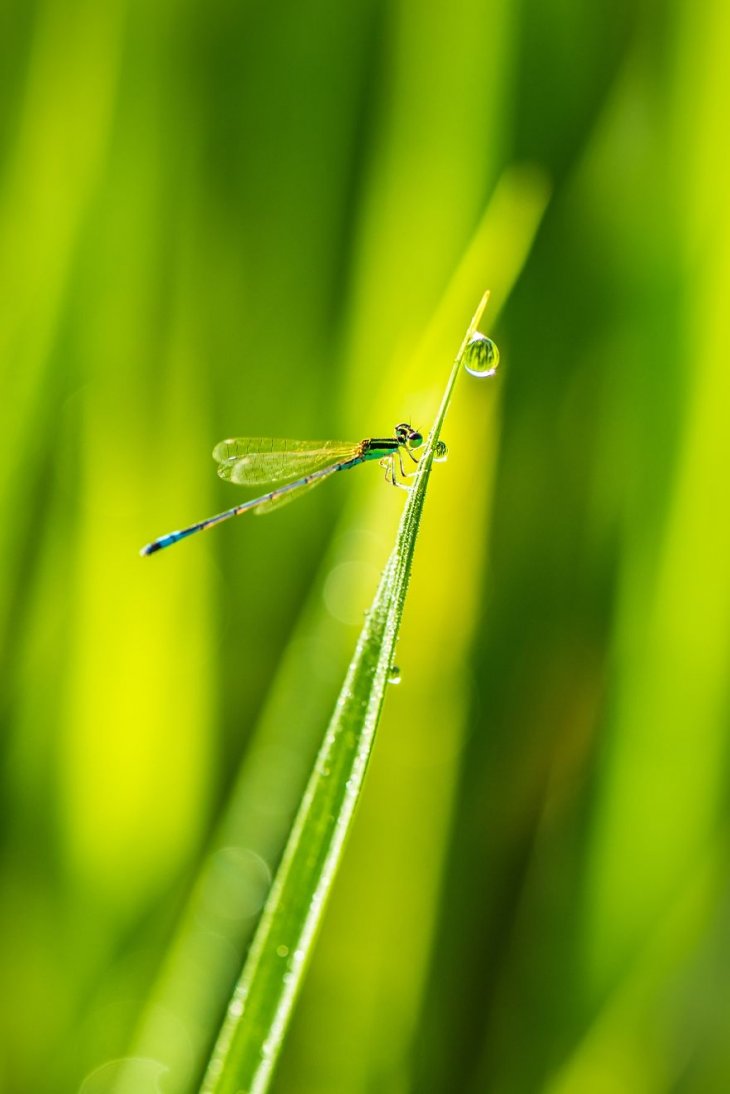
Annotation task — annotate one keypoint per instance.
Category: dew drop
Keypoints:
(282, 951)
(481, 356)
(440, 452)
(394, 675)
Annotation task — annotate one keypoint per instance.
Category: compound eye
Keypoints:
(415, 440)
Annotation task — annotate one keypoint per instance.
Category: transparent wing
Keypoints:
(253, 461)
(290, 495)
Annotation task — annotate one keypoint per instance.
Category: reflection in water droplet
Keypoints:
(394, 675)
(481, 356)
(440, 452)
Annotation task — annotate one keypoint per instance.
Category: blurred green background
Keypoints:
(246, 218)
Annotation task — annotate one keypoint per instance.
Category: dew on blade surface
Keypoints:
(481, 356)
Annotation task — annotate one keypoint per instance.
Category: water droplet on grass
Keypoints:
(481, 356)
(394, 675)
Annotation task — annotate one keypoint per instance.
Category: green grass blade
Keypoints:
(254, 1028)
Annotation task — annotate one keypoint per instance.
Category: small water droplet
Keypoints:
(394, 675)
(440, 452)
(282, 951)
(481, 356)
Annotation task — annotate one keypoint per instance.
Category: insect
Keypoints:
(299, 466)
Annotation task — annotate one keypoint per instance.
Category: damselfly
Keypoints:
(299, 466)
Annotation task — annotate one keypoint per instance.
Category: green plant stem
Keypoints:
(253, 1030)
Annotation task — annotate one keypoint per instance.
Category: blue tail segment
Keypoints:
(175, 537)
(168, 540)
